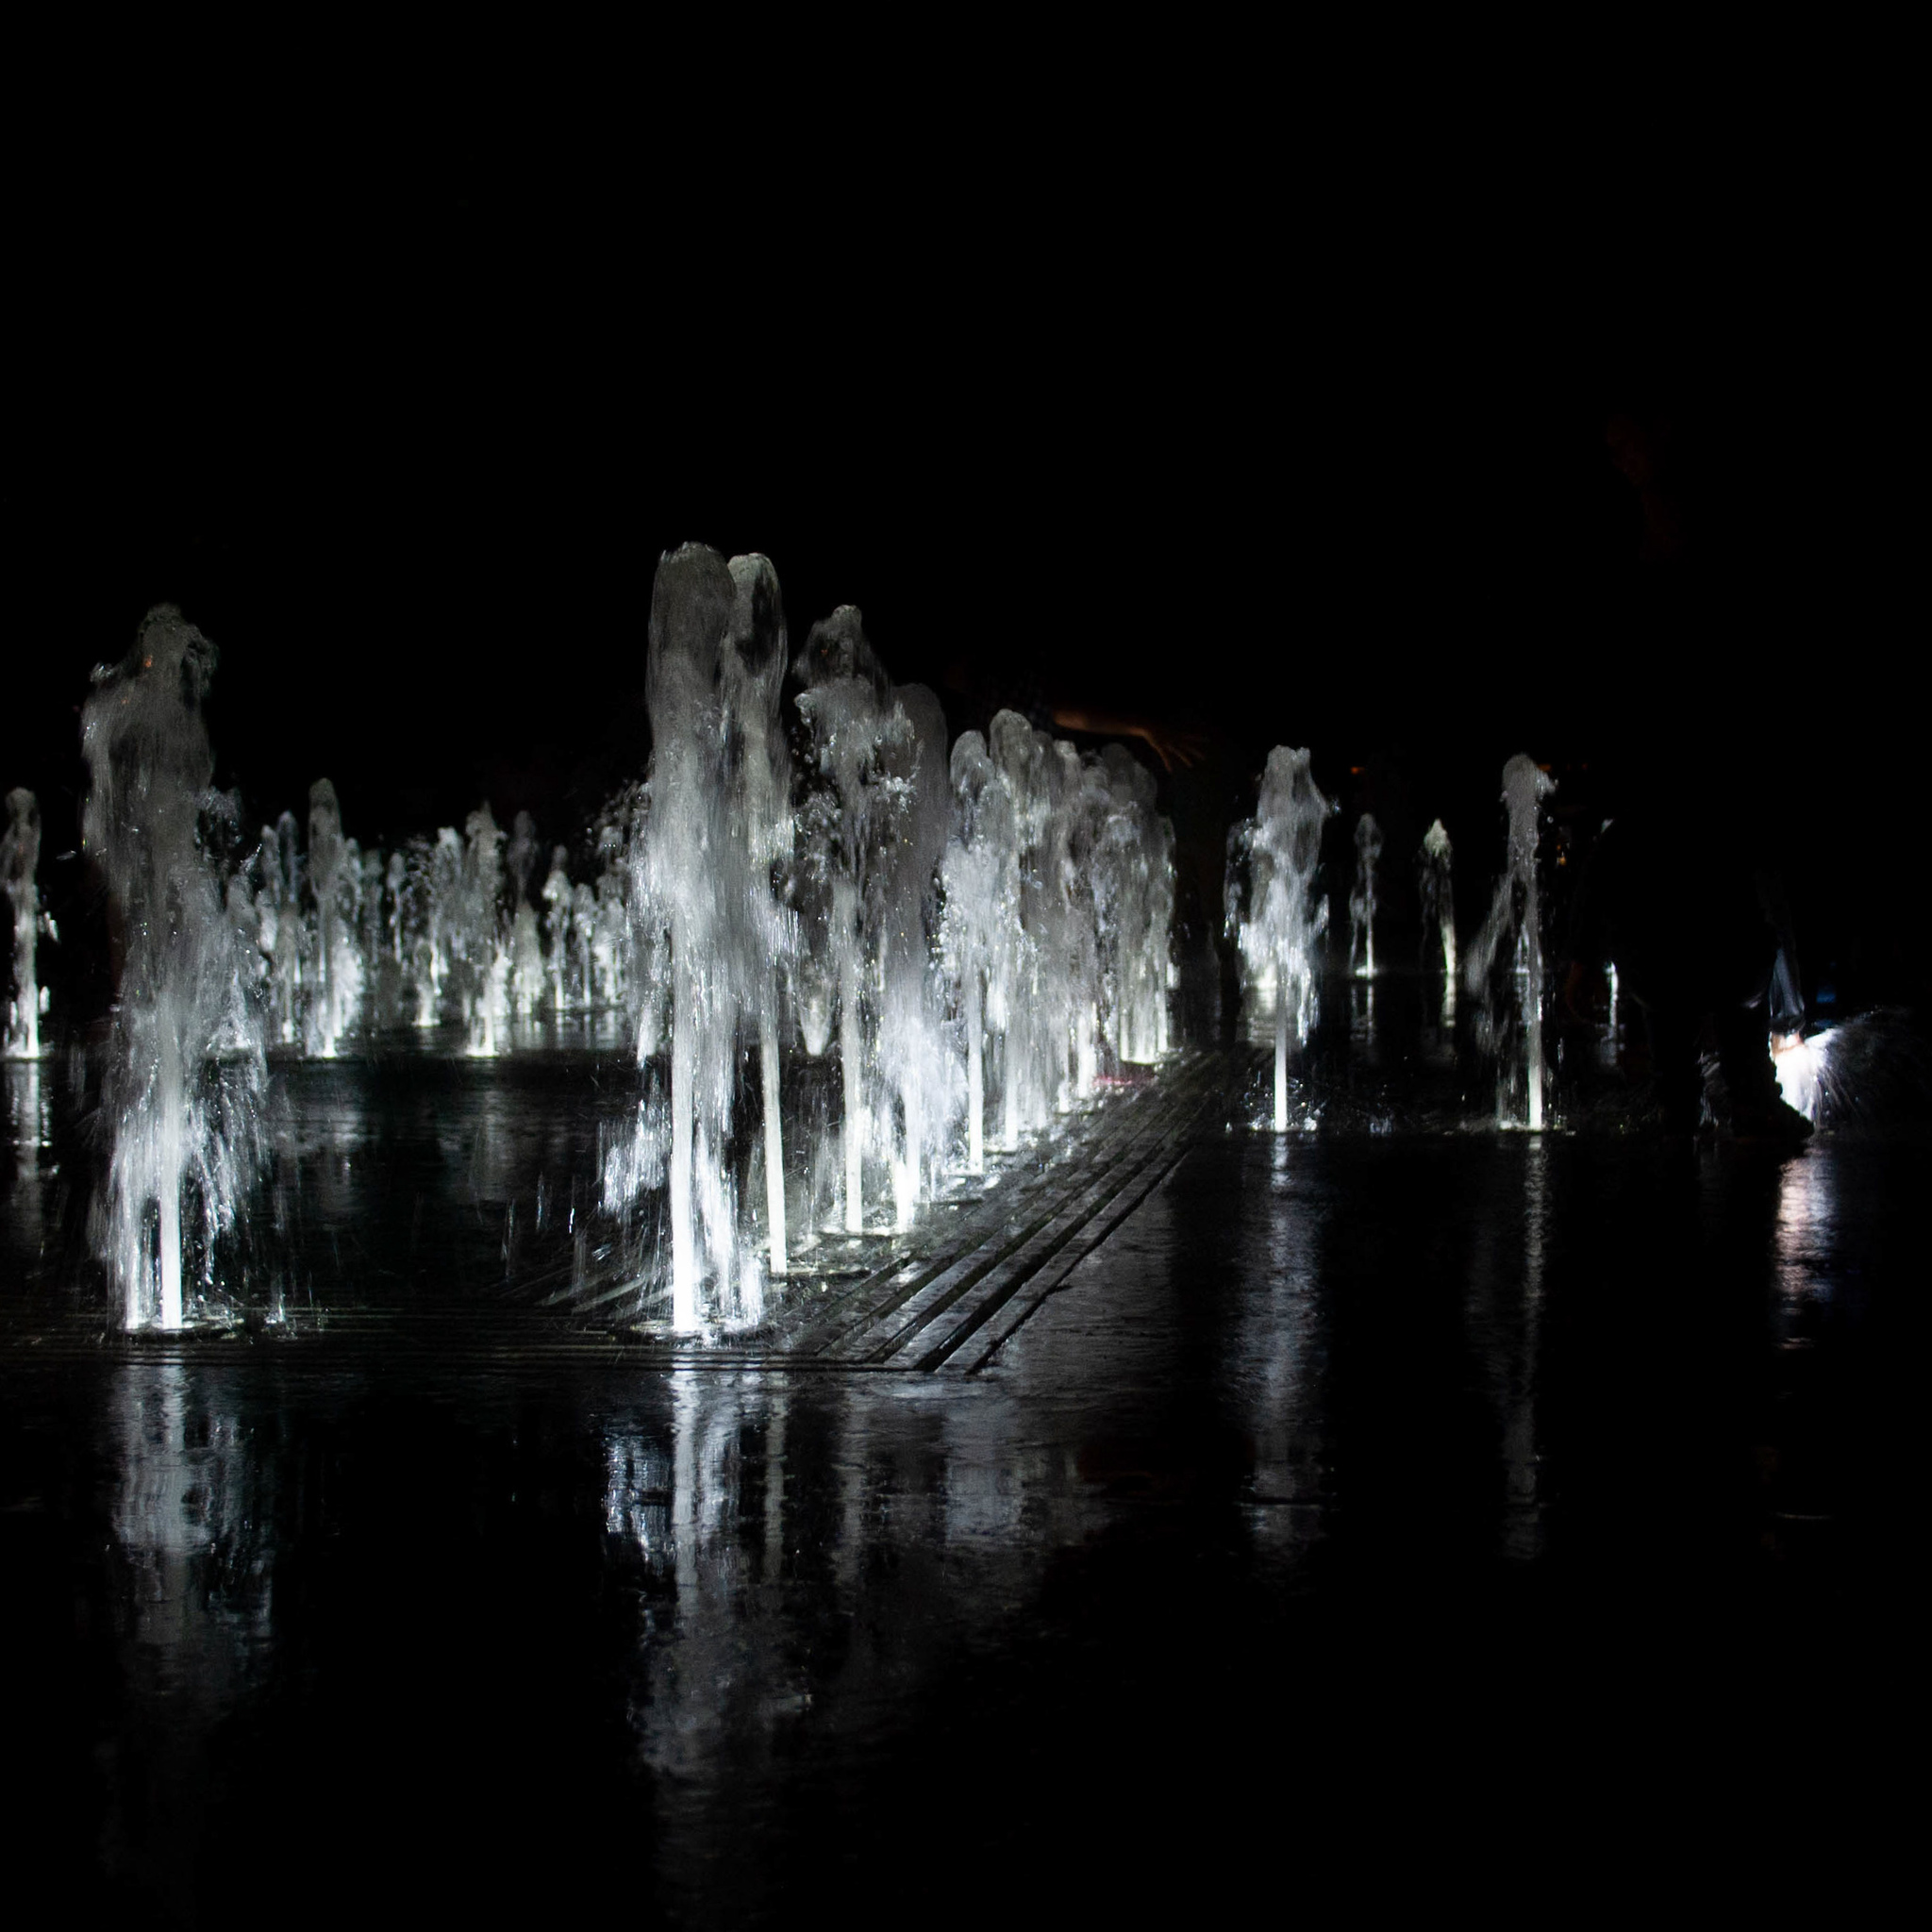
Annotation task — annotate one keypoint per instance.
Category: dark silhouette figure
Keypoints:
(1699, 938)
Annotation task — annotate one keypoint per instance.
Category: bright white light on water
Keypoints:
(1800, 1066)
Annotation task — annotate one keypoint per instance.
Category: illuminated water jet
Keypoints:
(1506, 965)
(1361, 902)
(186, 1068)
(1273, 910)
(20, 856)
(1436, 883)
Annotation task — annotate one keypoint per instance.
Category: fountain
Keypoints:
(1437, 887)
(557, 900)
(528, 975)
(1273, 910)
(988, 931)
(1027, 1075)
(20, 858)
(186, 1068)
(1133, 892)
(705, 851)
(1361, 902)
(334, 880)
(914, 1064)
(982, 918)
(755, 664)
(856, 811)
(1506, 965)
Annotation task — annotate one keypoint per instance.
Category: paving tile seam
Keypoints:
(978, 1266)
(1125, 1125)
(1076, 1216)
(1041, 1294)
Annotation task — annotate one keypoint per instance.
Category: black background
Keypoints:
(1208, 441)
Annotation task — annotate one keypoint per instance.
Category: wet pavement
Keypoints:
(1426, 1514)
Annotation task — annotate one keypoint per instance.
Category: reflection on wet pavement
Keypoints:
(1411, 1478)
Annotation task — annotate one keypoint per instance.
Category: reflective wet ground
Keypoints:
(1453, 1515)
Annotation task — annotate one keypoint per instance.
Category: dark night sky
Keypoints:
(410, 459)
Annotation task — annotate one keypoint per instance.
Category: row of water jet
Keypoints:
(976, 944)
(957, 934)
(1505, 970)
(1060, 895)
(20, 855)
(1279, 918)
(451, 929)
(348, 939)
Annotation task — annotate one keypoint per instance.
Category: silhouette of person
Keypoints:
(1699, 938)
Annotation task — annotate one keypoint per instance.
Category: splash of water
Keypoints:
(1804, 1072)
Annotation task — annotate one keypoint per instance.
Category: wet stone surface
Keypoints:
(1400, 1513)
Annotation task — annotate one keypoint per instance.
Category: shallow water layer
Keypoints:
(1521, 1500)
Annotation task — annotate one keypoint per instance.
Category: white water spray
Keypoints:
(20, 856)
(1506, 966)
(1436, 879)
(186, 1148)
(1273, 910)
(1362, 901)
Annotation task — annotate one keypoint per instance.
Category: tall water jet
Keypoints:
(982, 917)
(332, 877)
(527, 975)
(1029, 1077)
(371, 921)
(278, 911)
(1134, 909)
(477, 932)
(20, 858)
(1085, 916)
(1506, 965)
(558, 898)
(693, 599)
(853, 822)
(1362, 901)
(759, 770)
(1436, 883)
(1436, 887)
(184, 1149)
(912, 1057)
(442, 918)
(1273, 910)
(704, 926)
